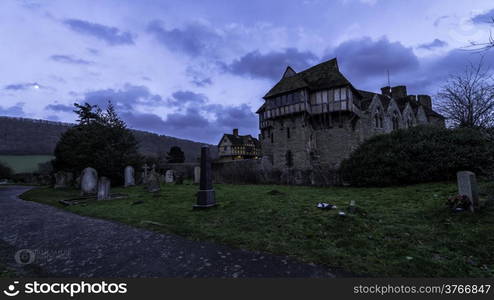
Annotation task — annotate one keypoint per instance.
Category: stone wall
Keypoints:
(262, 171)
(185, 169)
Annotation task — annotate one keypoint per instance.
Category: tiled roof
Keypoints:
(321, 76)
(239, 140)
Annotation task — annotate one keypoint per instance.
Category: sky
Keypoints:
(198, 69)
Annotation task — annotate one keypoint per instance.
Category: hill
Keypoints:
(22, 136)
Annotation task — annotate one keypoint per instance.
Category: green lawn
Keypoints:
(402, 231)
(24, 163)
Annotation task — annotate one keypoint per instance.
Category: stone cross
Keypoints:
(153, 182)
(206, 195)
(467, 186)
(129, 179)
(197, 174)
(89, 181)
(145, 170)
(104, 188)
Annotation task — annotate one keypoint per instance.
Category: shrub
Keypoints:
(419, 154)
(5, 172)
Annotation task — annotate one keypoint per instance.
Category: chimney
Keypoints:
(399, 91)
(386, 91)
(235, 132)
(425, 100)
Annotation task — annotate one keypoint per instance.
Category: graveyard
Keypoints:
(404, 231)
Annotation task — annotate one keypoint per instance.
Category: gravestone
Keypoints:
(145, 174)
(63, 179)
(129, 179)
(467, 186)
(104, 188)
(162, 178)
(205, 196)
(197, 174)
(153, 182)
(89, 181)
(169, 176)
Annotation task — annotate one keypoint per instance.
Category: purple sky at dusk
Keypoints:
(197, 69)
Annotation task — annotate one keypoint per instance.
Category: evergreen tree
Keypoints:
(101, 140)
(176, 155)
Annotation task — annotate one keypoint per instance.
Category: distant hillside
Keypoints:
(21, 136)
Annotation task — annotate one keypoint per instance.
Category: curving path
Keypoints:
(69, 245)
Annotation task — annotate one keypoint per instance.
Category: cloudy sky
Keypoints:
(197, 69)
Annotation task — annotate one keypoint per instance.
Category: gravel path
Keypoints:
(69, 245)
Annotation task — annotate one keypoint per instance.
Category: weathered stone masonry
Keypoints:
(314, 119)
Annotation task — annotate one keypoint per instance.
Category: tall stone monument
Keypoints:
(89, 181)
(129, 179)
(467, 186)
(205, 196)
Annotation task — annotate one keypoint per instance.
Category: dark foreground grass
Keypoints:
(402, 231)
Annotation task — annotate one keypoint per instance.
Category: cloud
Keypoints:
(436, 43)
(194, 39)
(22, 86)
(487, 17)
(272, 64)
(111, 35)
(364, 58)
(439, 20)
(60, 107)
(14, 111)
(70, 60)
(195, 119)
(123, 99)
(184, 97)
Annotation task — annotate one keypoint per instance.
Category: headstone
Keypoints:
(153, 182)
(197, 174)
(467, 186)
(145, 176)
(162, 178)
(104, 188)
(63, 179)
(89, 181)
(206, 196)
(169, 176)
(129, 179)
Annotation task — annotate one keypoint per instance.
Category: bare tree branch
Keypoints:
(467, 99)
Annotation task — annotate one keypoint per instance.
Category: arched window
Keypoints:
(396, 121)
(378, 119)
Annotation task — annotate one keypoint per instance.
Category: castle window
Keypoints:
(395, 121)
(288, 132)
(337, 95)
(289, 158)
(272, 137)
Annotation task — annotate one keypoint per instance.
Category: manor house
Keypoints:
(314, 119)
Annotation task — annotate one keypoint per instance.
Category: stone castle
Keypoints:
(314, 119)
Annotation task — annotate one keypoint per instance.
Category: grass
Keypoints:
(24, 163)
(400, 231)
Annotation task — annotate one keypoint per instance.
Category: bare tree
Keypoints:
(483, 46)
(467, 99)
